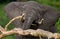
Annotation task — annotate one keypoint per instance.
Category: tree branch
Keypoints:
(38, 32)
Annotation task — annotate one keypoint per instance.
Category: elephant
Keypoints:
(33, 14)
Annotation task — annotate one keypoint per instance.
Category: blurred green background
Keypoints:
(4, 20)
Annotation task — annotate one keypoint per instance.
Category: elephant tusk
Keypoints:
(15, 18)
(41, 21)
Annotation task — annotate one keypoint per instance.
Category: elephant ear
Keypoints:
(12, 10)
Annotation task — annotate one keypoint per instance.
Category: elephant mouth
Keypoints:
(34, 25)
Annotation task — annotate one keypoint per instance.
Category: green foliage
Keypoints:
(4, 20)
(54, 3)
(10, 37)
(58, 25)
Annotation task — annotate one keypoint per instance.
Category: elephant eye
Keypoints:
(22, 21)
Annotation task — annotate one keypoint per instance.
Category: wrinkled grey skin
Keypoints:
(34, 12)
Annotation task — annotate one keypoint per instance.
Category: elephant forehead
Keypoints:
(29, 11)
(29, 15)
